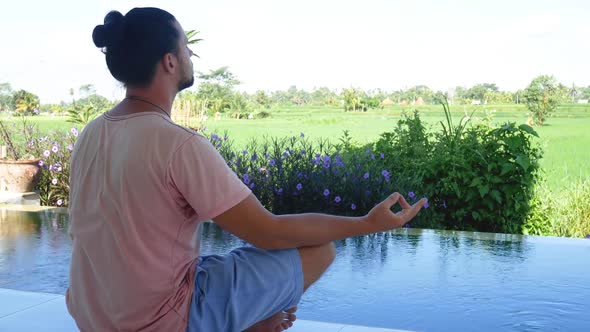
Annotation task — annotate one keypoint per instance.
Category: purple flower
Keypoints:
(60, 202)
(272, 162)
(299, 186)
(302, 151)
(252, 185)
(254, 157)
(366, 176)
(326, 164)
(280, 191)
(382, 155)
(372, 156)
(225, 138)
(445, 205)
(70, 147)
(352, 206)
(411, 194)
(214, 137)
(426, 205)
(54, 149)
(74, 131)
(326, 192)
(588, 236)
(46, 153)
(385, 173)
(285, 154)
(337, 199)
(302, 135)
(54, 182)
(246, 179)
(245, 152)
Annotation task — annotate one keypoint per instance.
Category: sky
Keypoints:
(46, 46)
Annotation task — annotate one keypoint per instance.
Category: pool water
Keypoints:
(412, 279)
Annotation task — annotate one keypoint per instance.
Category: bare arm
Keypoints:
(250, 221)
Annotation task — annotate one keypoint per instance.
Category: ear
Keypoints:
(170, 63)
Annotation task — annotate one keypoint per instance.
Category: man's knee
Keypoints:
(315, 261)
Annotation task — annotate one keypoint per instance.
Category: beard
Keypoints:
(186, 83)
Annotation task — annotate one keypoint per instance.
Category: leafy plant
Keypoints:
(82, 115)
(19, 139)
(542, 98)
(26, 103)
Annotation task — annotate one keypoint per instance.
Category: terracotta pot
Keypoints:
(19, 176)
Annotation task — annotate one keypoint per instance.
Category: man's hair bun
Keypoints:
(111, 32)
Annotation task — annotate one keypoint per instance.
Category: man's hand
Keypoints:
(382, 218)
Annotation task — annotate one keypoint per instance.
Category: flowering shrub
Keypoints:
(294, 175)
(56, 149)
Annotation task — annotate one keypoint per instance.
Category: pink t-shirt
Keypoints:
(140, 186)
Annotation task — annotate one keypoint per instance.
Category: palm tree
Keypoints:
(191, 37)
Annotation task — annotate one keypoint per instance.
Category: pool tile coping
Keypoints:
(31, 311)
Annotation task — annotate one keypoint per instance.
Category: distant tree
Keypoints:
(584, 93)
(478, 92)
(218, 84)
(26, 103)
(6, 99)
(262, 99)
(542, 97)
(86, 90)
(352, 100)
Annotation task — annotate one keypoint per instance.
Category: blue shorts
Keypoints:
(235, 291)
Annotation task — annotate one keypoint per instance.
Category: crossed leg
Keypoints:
(314, 262)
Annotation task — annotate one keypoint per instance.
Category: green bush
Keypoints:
(573, 215)
(295, 175)
(540, 220)
(262, 115)
(566, 213)
(476, 177)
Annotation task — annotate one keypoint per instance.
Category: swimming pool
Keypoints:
(412, 279)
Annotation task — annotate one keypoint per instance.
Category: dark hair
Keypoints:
(134, 43)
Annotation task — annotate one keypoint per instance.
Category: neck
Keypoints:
(160, 97)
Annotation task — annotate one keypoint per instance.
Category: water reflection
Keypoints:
(408, 279)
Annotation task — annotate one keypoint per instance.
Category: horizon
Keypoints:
(271, 46)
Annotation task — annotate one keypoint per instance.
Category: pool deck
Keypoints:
(40, 312)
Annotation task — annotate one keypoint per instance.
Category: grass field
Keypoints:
(565, 138)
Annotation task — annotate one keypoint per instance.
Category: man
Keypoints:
(141, 185)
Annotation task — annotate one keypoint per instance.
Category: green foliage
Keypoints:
(262, 99)
(26, 103)
(540, 220)
(19, 139)
(218, 85)
(352, 100)
(471, 174)
(55, 149)
(565, 213)
(6, 99)
(82, 115)
(191, 36)
(262, 115)
(542, 97)
(294, 175)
